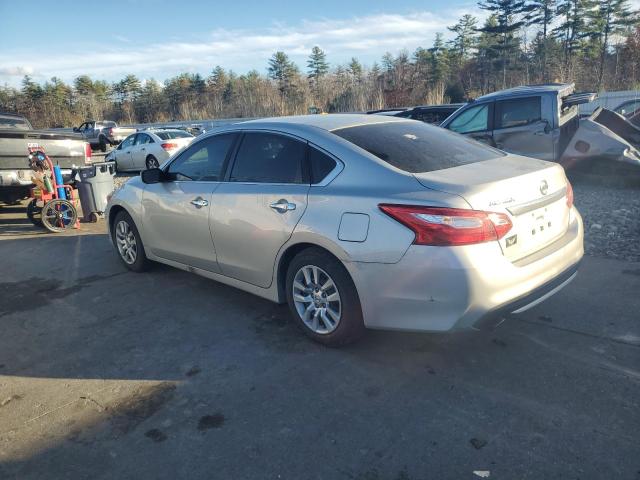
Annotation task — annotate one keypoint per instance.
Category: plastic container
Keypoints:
(96, 182)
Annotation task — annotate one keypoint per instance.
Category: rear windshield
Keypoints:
(170, 135)
(416, 147)
(14, 122)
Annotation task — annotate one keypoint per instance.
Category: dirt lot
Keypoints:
(109, 374)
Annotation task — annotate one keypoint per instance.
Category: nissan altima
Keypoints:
(357, 221)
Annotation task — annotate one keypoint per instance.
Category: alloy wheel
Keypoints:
(126, 242)
(317, 300)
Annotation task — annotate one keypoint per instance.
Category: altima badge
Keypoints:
(544, 187)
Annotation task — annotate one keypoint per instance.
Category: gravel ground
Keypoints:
(611, 220)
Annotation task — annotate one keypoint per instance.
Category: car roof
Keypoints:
(528, 90)
(329, 122)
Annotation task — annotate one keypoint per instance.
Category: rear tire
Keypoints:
(128, 243)
(326, 307)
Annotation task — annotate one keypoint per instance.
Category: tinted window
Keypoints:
(321, 165)
(170, 135)
(108, 124)
(474, 119)
(417, 147)
(127, 142)
(143, 138)
(517, 112)
(204, 160)
(269, 158)
(431, 116)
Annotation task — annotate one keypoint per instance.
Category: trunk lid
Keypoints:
(532, 192)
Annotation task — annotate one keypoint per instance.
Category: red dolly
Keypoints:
(46, 208)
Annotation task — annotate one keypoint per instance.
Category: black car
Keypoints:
(434, 114)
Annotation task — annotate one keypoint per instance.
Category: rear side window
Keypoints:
(517, 112)
(143, 138)
(321, 165)
(269, 158)
(204, 160)
(417, 147)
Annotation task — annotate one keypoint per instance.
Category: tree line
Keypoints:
(594, 43)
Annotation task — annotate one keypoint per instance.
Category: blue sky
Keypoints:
(154, 39)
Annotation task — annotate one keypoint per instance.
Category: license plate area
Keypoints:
(535, 230)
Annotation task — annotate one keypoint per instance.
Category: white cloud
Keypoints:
(366, 37)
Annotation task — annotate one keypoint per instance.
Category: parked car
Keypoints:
(103, 134)
(434, 114)
(68, 150)
(542, 121)
(148, 149)
(357, 221)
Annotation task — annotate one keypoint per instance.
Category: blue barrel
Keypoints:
(58, 173)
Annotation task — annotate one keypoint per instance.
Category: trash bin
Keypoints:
(96, 182)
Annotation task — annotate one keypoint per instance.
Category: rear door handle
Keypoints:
(283, 206)
(199, 202)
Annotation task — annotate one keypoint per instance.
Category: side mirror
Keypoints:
(76, 129)
(153, 175)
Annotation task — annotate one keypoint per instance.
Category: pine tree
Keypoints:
(541, 13)
(282, 70)
(466, 38)
(509, 17)
(317, 65)
(607, 19)
(355, 69)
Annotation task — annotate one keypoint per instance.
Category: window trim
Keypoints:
(306, 168)
(225, 163)
(490, 113)
(495, 112)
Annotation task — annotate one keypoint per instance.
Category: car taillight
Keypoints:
(87, 153)
(110, 131)
(449, 226)
(169, 146)
(569, 194)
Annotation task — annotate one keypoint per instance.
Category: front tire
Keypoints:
(128, 243)
(323, 298)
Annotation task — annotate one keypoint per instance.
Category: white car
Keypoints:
(148, 149)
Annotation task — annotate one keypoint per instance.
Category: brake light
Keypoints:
(110, 131)
(87, 153)
(569, 194)
(449, 226)
(169, 146)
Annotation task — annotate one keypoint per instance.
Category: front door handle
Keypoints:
(199, 202)
(283, 206)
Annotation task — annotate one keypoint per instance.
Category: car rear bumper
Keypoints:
(445, 288)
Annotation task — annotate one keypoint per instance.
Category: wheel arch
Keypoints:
(289, 254)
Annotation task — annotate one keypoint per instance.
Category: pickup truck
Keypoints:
(103, 134)
(542, 121)
(69, 150)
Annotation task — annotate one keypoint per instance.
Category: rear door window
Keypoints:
(417, 147)
(269, 158)
(517, 112)
(474, 119)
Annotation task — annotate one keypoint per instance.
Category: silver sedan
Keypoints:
(357, 221)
